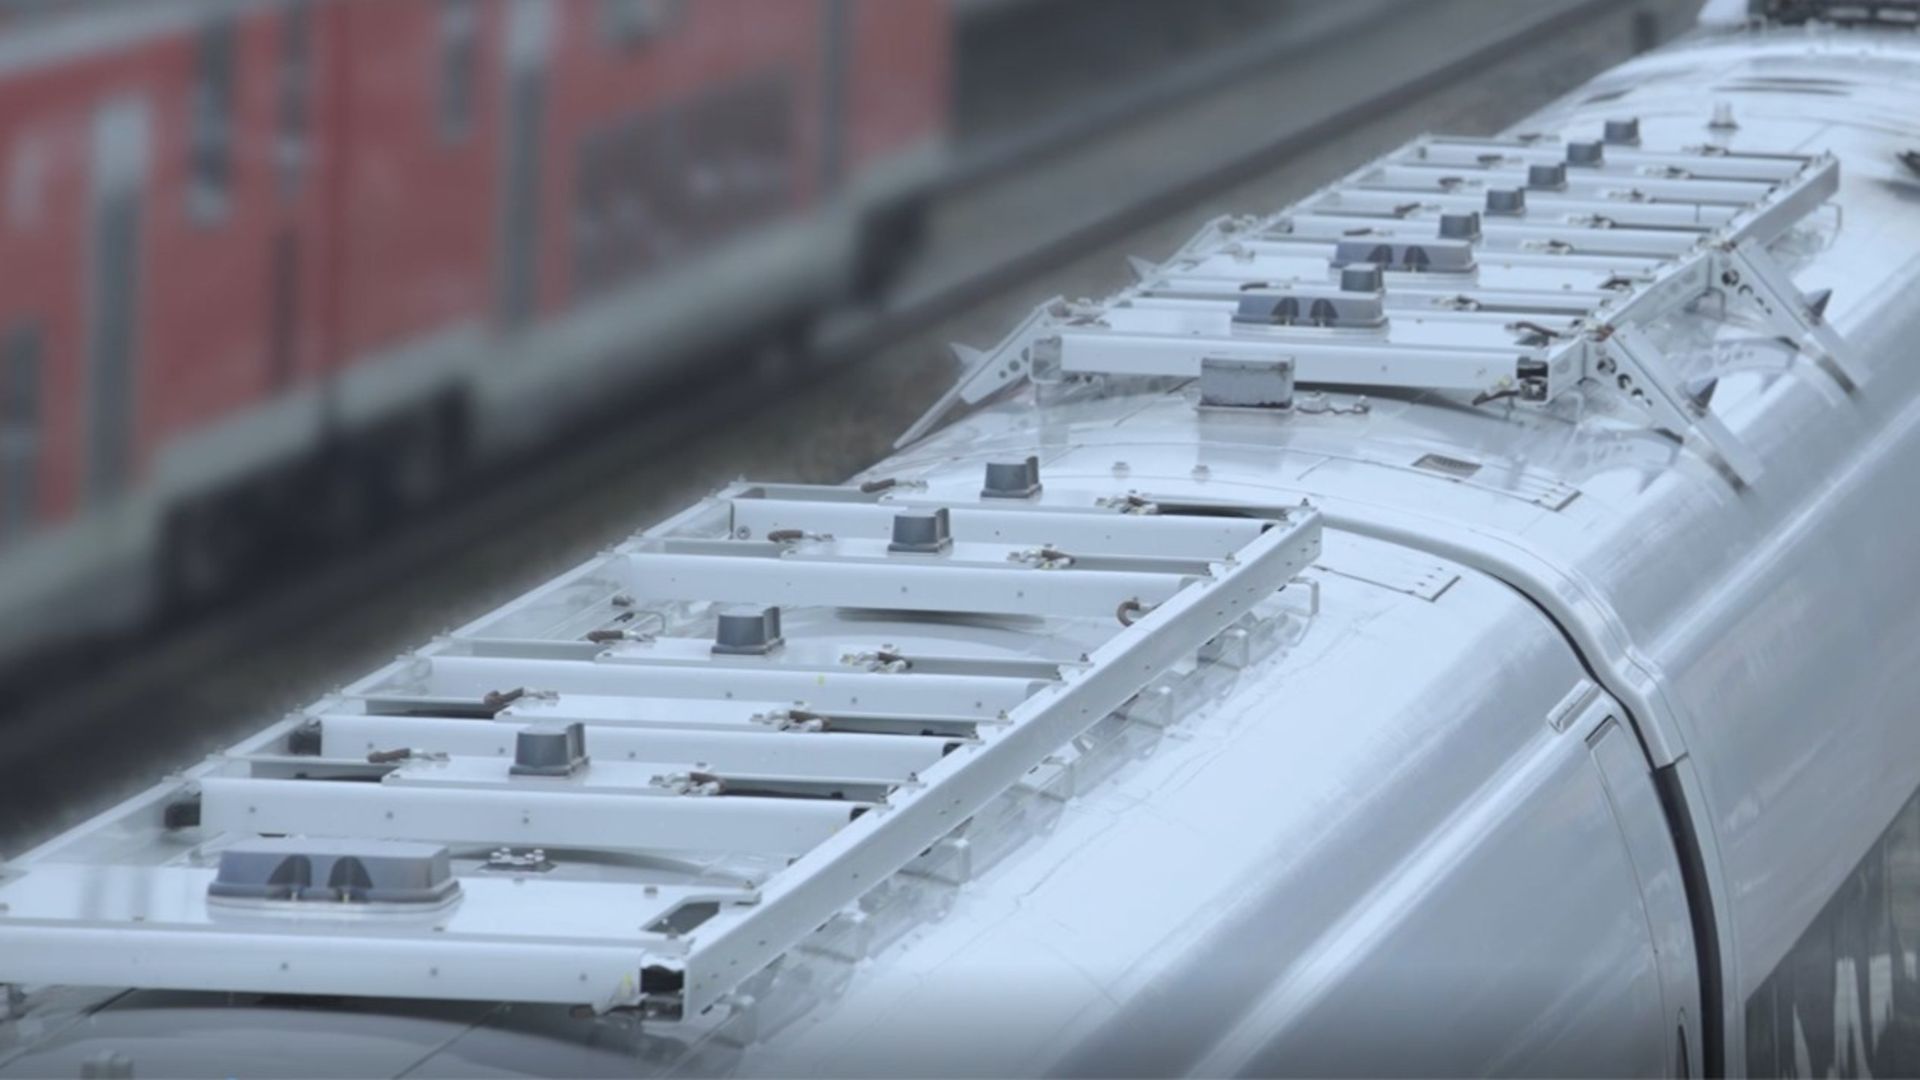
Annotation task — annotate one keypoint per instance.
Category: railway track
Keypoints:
(1275, 131)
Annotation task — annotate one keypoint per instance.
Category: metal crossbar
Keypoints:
(1512, 269)
(640, 796)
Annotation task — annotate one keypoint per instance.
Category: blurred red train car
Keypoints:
(276, 266)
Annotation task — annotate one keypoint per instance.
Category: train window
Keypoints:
(1845, 1000)
(19, 428)
(630, 199)
(523, 124)
(631, 23)
(459, 58)
(296, 31)
(739, 157)
(113, 291)
(210, 146)
(592, 196)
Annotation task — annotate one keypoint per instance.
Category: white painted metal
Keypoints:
(348, 735)
(519, 814)
(936, 735)
(1421, 817)
(1164, 326)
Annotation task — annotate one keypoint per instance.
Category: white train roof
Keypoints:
(1125, 648)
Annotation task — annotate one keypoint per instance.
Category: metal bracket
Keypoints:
(991, 370)
(1098, 350)
(766, 791)
(1556, 296)
(1753, 277)
(1631, 364)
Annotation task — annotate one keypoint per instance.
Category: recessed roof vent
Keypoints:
(1246, 384)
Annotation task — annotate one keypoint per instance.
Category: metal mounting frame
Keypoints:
(763, 794)
(1555, 298)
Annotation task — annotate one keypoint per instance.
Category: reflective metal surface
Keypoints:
(1425, 838)
(1845, 1000)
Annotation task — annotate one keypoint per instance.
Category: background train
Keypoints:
(273, 271)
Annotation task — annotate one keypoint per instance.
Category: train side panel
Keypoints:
(900, 71)
(1380, 858)
(672, 139)
(1783, 617)
(1759, 635)
(47, 134)
(415, 156)
(236, 255)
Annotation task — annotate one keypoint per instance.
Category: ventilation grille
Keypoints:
(1447, 466)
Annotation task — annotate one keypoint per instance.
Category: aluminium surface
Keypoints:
(1413, 732)
(1727, 616)
(1072, 907)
